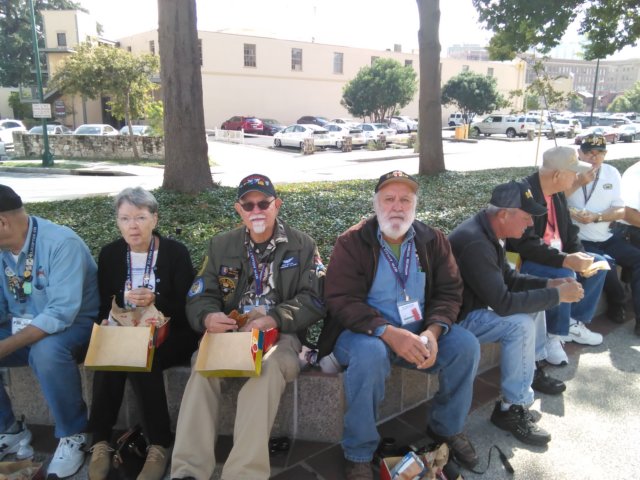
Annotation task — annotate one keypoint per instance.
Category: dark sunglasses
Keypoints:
(262, 205)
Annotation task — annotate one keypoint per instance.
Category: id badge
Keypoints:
(18, 323)
(557, 244)
(409, 311)
(262, 309)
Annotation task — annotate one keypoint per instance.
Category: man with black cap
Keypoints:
(551, 249)
(595, 201)
(274, 272)
(48, 306)
(393, 291)
(501, 305)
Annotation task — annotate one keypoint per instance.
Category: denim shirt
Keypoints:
(386, 290)
(65, 282)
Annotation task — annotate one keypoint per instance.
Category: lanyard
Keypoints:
(21, 286)
(258, 272)
(146, 277)
(395, 267)
(584, 188)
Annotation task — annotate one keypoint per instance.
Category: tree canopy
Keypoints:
(96, 70)
(379, 90)
(473, 93)
(629, 101)
(16, 38)
(608, 25)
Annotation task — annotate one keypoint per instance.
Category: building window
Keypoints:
(490, 72)
(373, 59)
(408, 63)
(338, 62)
(62, 39)
(296, 59)
(250, 55)
(152, 47)
(465, 68)
(200, 50)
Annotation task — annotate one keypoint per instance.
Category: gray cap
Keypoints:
(564, 158)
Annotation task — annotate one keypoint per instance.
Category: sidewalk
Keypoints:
(595, 424)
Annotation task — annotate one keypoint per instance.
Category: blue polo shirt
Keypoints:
(65, 282)
(386, 290)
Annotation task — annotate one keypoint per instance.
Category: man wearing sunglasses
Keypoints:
(596, 201)
(274, 274)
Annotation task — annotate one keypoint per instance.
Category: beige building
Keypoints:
(246, 74)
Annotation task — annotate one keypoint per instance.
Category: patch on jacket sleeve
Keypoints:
(227, 287)
(196, 288)
(290, 262)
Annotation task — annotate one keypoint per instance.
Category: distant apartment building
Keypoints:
(248, 74)
(471, 52)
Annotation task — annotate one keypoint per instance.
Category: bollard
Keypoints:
(307, 146)
(530, 135)
(382, 142)
(347, 145)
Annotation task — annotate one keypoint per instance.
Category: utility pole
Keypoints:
(47, 157)
(595, 91)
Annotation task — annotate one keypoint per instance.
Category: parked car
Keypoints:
(564, 126)
(7, 127)
(95, 129)
(373, 130)
(294, 135)
(457, 118)
(609, 133)
(312, 120)
(271, 126)
(349, 122)
(495, 124)
(628, 133)
(411, 123)
(527, 122)
(400, 126)
(51, 130)
(249, 124)
(138, 130)
(337, 133)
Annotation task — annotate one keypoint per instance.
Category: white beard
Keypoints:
(395, 228)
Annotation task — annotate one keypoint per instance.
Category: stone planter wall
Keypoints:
(89, 146)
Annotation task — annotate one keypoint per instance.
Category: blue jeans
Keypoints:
(625, 255)
(523, 337)
(54, 362)
(558, 317)
(368, 360)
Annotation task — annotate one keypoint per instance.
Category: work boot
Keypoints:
(156, 463)
(358, 470)
(100, 461)
(616, 313)
(517, 421)
(546, 384)
(460, 447)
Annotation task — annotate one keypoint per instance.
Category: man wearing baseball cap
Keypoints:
(273, 273)
(501, 305)
(393, 291)
(551, 249)
(595, 201)
(49, 290)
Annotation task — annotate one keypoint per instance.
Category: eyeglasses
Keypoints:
(137, 220)
(262, 205)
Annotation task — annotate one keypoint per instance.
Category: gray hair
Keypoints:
(493, 210)
(138, 197)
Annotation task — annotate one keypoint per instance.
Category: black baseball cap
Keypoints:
(516, 195)
(397, 176)
(256, 183)
(9, 200)
(593, 142)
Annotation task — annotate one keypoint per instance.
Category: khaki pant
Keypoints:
(257, 405)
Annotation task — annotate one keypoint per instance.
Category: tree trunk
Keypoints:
(186, 166)
(127, 118)
(430, 108)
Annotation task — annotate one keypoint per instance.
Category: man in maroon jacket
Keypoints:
(394, 289)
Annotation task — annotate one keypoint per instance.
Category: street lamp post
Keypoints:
(47, 156)
(595, 92)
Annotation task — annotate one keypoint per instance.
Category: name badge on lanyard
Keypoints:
(408, 309)
(18, 323)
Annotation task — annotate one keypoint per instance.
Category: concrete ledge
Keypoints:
(311, 407)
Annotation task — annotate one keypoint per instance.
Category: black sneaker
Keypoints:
(517, 421)
(460, 447)
(616, 313)
(543, 383)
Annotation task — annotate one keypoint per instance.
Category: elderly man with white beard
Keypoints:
(273, 271)
(393, 291)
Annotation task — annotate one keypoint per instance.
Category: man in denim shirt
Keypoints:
(394, 291)
(48, 304)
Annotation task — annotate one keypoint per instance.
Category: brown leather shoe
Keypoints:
(460, 447)
(358, 470)
(156, 463)
(100, 461)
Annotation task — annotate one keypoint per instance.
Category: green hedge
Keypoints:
(321, 209)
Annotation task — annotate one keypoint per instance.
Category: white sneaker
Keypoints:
(68, 458)
(555, 353)
(579, 333)
(18, 443)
